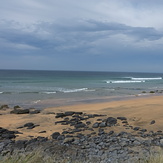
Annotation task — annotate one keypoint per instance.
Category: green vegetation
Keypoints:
(33, 157)
(38, 157)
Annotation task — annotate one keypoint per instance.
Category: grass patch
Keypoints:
(34, 157)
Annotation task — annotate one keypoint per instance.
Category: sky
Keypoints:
(94, 35)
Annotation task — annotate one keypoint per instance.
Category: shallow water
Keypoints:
(54, 88)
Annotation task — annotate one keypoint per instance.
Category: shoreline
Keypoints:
(56, 102)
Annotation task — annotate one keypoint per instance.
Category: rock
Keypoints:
(125, 122)
(34, 112)
(78, 113)
(143, 130)
(42, 132)
(111, 132)
(88, 122)
(60, 115)
(60, 122)
(122, 118)
(69, 113)
(90, 115)
(80, 125)
(161, 142)
(55, 135)
(152, 122)
(102, 124)
(61, 137)
(16, 107)
(31, 127)
(20, 111)
(68, 140)
(30, 124)
(110, 121)
(136, 128)
(8, 136)
(95, 125)
(4, 107)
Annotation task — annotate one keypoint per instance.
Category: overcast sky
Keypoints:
(94, 35)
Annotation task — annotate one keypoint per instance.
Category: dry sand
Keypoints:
(138, 111)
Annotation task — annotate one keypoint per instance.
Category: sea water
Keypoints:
(54, 88)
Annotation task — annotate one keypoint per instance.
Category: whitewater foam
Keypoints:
(158, 78)
(74, 90)
(49, 92)
(124, 81)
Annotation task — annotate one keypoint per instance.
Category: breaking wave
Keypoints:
(125, 81)
(73, 90)
(158, 78)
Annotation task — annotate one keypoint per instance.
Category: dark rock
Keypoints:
(111, 132)
(60, 122)
(95, 125)
(102, 124)
(30, 124)
(152, 122)
(136, 128)
(8, 136)
(31, 127)
(55, 135)
(61, 137)
(91, 115)
(88, 122)
(4, 107)
(124, 122)
(66, 119)
(79, 113)
(77, 130)
(80, 125)
(65, 132)
(122, 118)
(69, 113)
(20, 127)
(20, 111)
(143, 130)
(34, 112)
(2, 130)
(99, 119)
(60, 115)
(42, 132)
(16, 107)
(110, 121)
(83, 118)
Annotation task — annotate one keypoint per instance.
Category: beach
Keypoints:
(138, 111)
(127, 130)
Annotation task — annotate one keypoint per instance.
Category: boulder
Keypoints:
(152, 122)
(55, 135)
(60, 115)
(69, 113)
(95, 125)
(4, 107)
(110, 121)
(102, 124)
(80, 125)
(20, 111)
(30, 124)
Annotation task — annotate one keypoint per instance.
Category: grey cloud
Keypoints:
(72, 36)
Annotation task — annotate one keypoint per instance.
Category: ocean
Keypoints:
(39, 89)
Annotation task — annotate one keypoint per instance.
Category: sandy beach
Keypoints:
(138, 111)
